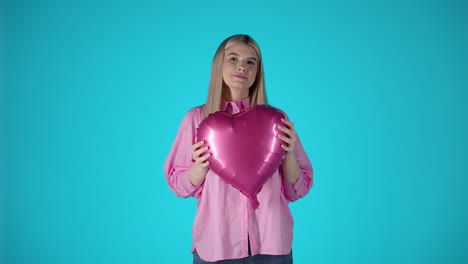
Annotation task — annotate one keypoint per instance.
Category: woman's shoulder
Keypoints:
(194, 115)
(195, 111)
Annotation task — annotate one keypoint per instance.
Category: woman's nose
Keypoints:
(241, 68)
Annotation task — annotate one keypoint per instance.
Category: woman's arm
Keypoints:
(296, 169)
(179, 161)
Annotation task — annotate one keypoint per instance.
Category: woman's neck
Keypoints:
(234, 95)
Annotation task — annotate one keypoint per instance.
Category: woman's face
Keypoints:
(240, 66)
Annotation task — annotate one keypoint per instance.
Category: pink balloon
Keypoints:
(245, 148)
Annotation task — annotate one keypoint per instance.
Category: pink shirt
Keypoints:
(225, 219)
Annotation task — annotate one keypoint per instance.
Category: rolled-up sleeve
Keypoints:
(294, 191)
(179, 160)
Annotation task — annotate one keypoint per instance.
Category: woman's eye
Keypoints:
(251, 62)
(233, 59)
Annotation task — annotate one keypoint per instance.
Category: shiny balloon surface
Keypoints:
(245, 148)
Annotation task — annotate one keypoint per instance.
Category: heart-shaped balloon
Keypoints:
(245, 148)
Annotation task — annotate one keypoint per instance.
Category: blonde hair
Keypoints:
(257, 92)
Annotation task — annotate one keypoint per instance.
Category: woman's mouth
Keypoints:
(240, 76)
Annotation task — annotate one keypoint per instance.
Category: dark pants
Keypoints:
(257, 259)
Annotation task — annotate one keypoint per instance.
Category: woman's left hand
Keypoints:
(291, 169)
(291, 137)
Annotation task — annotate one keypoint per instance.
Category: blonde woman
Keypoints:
(226, 228)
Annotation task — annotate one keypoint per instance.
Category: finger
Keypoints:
(204, 157)
(284, 138)
(291, 143)
(285, 130)
(205, 164)
(287, 149)
(287, 122)
(197, 145)
(197, 153)
(289, 133)
(203, 160)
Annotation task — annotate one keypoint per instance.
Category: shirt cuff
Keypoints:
(295, 190)
(188, 186)
(299, 183)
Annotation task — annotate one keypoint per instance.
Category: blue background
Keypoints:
(93, 92)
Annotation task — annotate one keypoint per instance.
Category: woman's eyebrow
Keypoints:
(235, 54)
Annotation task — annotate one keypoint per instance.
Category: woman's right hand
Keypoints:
(199, 167)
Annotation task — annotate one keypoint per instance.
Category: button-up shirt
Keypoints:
(225, 219)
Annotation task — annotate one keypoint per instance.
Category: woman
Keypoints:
(226, 228)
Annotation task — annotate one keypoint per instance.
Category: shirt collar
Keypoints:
(234, 107)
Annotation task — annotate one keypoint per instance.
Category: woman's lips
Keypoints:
(240, 76)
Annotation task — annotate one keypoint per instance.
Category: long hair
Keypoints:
(257, 92)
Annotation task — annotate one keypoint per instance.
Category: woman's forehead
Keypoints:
(241, 49)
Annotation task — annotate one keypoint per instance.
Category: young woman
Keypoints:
(226, 227)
